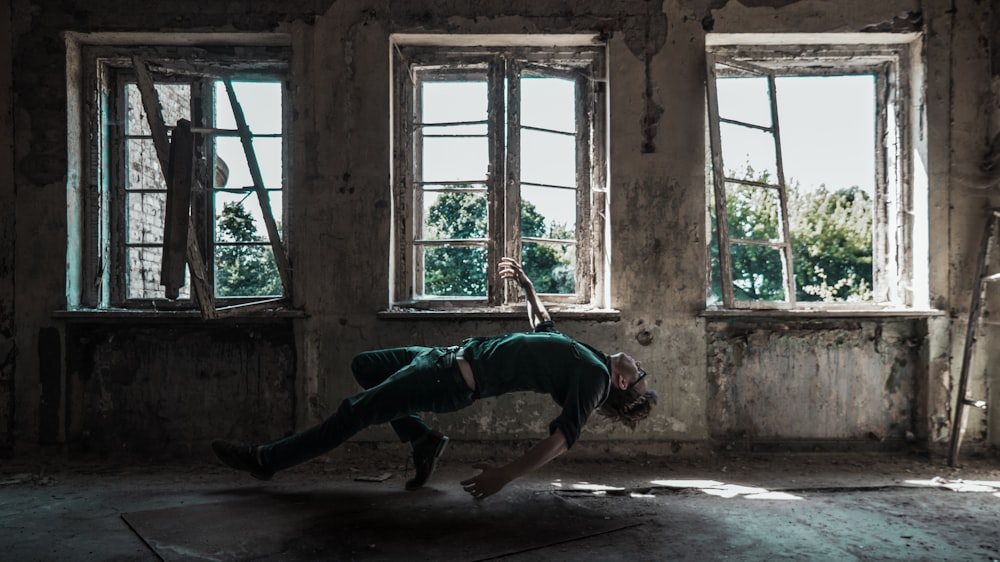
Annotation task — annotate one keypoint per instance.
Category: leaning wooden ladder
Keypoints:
(975, 311)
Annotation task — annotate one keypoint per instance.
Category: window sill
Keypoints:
(498, 313)
(820, 313)
(92, 315)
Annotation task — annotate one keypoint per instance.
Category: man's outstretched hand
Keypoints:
(488, 482)
(511, 269)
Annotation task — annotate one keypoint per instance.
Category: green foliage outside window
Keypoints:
(831, 233)
(243, 269)
(461, 271)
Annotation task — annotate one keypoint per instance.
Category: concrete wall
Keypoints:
(7, 205)
(719, 380)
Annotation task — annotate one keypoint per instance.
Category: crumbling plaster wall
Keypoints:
(339, 226)
(859, 383)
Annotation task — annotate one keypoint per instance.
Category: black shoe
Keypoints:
(426, 452)
(241, 457)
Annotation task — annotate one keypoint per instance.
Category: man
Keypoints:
(401, 382)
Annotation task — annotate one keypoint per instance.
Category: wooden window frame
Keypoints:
(893, 213)
(105, 69)
(501, 64)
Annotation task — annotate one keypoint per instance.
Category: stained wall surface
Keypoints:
(788, 380)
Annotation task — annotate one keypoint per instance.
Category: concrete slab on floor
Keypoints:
(795, 507)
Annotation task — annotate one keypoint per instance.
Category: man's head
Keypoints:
(629, 401)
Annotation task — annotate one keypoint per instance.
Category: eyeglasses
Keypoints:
(641, 375)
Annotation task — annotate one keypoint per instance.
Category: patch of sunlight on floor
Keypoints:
(710, 487)
(960, 485)
(723, 490)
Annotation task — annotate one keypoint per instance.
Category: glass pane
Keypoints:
(748, 153)
(246, 271)
(144, 171)
(754, 212)
(832, 235)
(462, 159)
(551, 267)
(142, 274)
(757, 273)
(238, 217)
(261, 103)
(828, 143)
(548, 103)
(745, 100)
(453, 102)
(548, 212)
(145, 217)
(548, 158)
(268, 153)
(453, 215)
(454, 271)
(175, 103)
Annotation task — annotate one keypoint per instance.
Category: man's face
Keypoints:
(628, 373)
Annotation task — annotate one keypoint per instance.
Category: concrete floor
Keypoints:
(352, 507)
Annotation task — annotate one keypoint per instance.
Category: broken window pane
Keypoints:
(828, 154)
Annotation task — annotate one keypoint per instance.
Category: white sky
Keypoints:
(261, 103)
(827, 128)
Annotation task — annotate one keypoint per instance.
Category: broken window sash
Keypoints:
(154, 114)
(284, 269)
(781, 243)
(849, 209)
(171, 278)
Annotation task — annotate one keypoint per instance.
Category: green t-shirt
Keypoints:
(575, 375)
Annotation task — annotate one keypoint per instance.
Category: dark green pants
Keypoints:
(398, 384)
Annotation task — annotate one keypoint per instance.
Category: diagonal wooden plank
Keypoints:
(280, 257)
(154, 115)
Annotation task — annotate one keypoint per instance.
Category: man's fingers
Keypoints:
(472, 481)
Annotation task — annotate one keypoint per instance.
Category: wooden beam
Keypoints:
(151, 104)
(180, 177)
(280, 257)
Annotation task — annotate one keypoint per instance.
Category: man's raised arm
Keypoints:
(511, 269)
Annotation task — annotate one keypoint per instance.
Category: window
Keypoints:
(238, 180)
(499, 152)
(813, 196)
